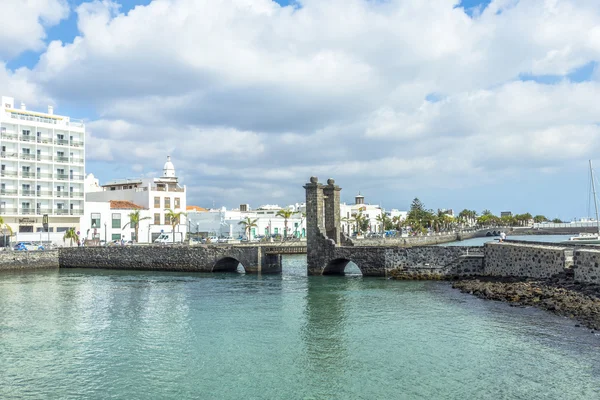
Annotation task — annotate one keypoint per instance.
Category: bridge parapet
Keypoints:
(172, 258)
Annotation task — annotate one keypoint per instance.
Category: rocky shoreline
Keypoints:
(560, 295)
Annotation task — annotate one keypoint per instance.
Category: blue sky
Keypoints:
(480, 104)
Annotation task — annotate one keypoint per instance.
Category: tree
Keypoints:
(134, 222)
(362, 223)
(349, 222)
(539, 219)
(5, 227)
(397, 223)
(248, 223)
(285, 214)
(72, 235)
(418, 217)
(383, 219)
(557, 221)
(486, 212)
(175, 218)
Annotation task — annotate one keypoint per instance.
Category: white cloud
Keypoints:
(245, 93)
(23, 24)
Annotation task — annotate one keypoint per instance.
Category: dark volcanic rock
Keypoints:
(558, 294)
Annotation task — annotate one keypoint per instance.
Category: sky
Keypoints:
(465, 104)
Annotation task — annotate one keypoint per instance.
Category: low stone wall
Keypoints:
(587, 265)
(434, 262)
(413, 241)
(27, 260)
(171, 258)
(524, 260)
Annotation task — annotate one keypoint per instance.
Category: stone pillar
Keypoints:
(315, 225)
(332, 211)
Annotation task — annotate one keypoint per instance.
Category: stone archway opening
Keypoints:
(229, 264)
(342, 266)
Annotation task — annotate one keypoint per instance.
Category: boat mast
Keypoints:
(594, 194)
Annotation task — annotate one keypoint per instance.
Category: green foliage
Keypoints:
(419, 218)
(285, 214)
(71, 235)
(557, 221)
(175, 218)
(362, 223)
(5, 226)
(539, 219)
(134, 222)
(248, 223)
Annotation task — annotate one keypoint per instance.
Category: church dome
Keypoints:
(169, 169)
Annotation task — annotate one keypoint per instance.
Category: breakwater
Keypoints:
(28, 260)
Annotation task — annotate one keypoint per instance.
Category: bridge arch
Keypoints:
(228, 264)
(341, 266)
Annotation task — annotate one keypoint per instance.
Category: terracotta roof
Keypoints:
(195, 208)
(124, 205)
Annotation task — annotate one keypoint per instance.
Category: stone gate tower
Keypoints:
(323, 228)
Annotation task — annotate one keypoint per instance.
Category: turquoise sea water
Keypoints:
(90, 334)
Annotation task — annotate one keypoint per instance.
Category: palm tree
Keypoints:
(175, 218)
(134, 222)
(248, 223)
(5, 227)
(362, 223)
(349, 222)
(72, 235)
(383, 219)
(285, 214)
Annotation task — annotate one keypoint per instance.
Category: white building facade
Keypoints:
(226, 223)
(42, 169)
(153, 196)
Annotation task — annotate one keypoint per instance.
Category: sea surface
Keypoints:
(93, 334)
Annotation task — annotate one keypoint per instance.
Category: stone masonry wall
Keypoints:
(171, 258)
(587, 265)
(411, 241)
(26, 260)
(524, 260)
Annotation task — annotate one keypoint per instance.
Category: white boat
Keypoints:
(589, 238)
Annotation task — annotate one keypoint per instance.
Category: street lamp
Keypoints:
(197, 230)
(105, 242)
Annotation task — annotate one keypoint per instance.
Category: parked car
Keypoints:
(212, 239)
(24, 246)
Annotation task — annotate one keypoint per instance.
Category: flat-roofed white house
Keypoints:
(42, 169)
(152, 196)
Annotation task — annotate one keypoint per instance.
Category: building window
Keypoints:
(177, 204)
(95, 220)
(116, 220)
(167, 220)
(157, 202)
(156, 219)
(167, 202)
(116, 236)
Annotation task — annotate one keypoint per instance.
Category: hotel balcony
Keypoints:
(27, 211)
(29, 175)
(8, 192)
(44, 175)
(27, 156)
(62, 211)
(9, 173)
(62, 177)
(76, 143)
(62, 159)
(43, 158)
(8, 154)
(27, 193)
(7, 210)
(166, 189)
(47, 193)
(61, 194)
(62, 142)
(76, 195)
(46, 140)
(9, 136)
(77, 160)
(27, 138)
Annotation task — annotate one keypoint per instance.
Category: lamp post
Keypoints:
(197, 230)
(105, 242)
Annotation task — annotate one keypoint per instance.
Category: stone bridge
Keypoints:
(172, 258)
(329, 251)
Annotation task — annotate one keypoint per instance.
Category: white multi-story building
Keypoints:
(226, 223)
(153, 196)
(42, 169)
